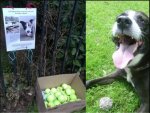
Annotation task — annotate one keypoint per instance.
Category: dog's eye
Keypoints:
(141, 19)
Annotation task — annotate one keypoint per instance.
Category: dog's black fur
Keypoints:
(138, 68)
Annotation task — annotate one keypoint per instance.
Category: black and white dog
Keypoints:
(28, 27)
(131, 36)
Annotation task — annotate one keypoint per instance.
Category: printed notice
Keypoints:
(20, 28)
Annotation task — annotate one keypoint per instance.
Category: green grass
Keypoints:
(100, 16)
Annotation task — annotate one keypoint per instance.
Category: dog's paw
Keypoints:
(88, 84)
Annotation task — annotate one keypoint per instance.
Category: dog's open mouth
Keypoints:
(125, 52)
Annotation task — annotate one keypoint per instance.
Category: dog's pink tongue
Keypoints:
(123, 55)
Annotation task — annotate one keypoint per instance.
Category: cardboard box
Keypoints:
(54, 81)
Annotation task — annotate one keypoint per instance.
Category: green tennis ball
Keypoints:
(53, 90)
(47, 91)
(73, 91)
(62, 98)
(73, 97)
(50, 98)
(68, 98)
(56, 102)
(51, 104)
(57, 94)
(59, 88)
(68, 91)
(64, 86)
(78, 99)
(69, 86)
(46, 104)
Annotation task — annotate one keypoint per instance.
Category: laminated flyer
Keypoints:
(20, 28)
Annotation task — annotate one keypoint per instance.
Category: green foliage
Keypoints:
(5, 62)
(100, 16)
(63, 33)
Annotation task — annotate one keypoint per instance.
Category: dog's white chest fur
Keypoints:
(129, 76)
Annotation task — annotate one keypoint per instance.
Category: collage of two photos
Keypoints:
(74, 56)
(117, 67)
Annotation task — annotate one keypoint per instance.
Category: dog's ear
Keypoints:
(31, 21)
(23, 24)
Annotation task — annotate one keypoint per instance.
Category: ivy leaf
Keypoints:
(73, 43)
(80, 56)
(77, 63)
(82, 48)
(60, 54)
(73, 51)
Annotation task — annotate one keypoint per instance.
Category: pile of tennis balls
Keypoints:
(60, 95)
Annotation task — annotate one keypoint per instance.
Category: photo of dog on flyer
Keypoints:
(27, 28)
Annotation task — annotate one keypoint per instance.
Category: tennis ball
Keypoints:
(69, 87)
(47, 90)
(68, 91)
(46, 104)
(59, 88)
(62, 98)
(73, 97)
(56, 102)
(64, 86)
(73, 91)
(53, 90)
(78, 99)
(51, 104)
(57, 94)
(50, 98)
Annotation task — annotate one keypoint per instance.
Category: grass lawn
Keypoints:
(100, 16)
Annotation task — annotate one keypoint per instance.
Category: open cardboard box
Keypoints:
(54, 81)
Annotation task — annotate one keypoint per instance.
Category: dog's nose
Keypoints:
(124, 22)
(28, 31)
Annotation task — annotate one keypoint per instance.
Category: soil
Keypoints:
(17, 100)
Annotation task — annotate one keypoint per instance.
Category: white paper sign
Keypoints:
(20, 28)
